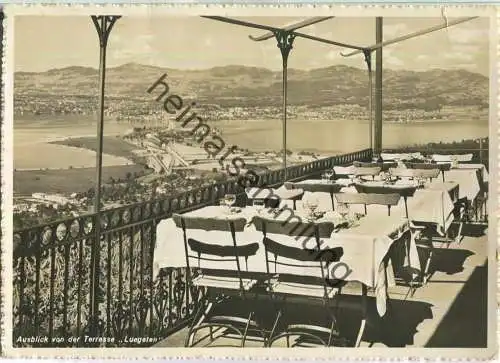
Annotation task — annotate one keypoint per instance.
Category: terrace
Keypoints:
(93, 280)
(52, 274)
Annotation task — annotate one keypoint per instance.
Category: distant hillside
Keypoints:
(231, 86)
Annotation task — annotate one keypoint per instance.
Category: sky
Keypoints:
(48, 42)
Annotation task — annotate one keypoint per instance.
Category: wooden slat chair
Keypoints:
(270, 196)
(365, 199)
(401, 173)
(379, 189)
(431, 166)
(217, 282)
(367, 171)
(312, 283)
(330, 188)
(415, 173)
(425, 173)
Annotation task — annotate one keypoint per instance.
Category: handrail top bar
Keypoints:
(183, 194)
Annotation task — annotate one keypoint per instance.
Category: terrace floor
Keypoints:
(449, 311)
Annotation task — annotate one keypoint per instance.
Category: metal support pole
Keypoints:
(285, 44)
(103, 25)
(368, 59)
(378, 87)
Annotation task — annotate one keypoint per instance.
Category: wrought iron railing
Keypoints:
(52, 271)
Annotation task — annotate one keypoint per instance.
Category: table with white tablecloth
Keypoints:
(365, 245)
(434, 204)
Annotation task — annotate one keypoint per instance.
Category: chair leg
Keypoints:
(196, 323)
(245, 332)
(458, 238)
(273, 329)
(364, 292)
(360, 333)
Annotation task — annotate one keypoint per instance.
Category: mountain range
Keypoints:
(231, 86)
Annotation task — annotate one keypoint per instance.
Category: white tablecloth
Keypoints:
(433, 205)
(364, 246)
(469, 180)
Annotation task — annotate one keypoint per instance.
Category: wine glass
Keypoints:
(343, 209)
(329, 173)
(313, 205)
(229, 200)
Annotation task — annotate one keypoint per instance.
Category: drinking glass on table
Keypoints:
(229, 200)
(313, 205)
(343, 209)
(329, 173)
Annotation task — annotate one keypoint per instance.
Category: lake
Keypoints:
(342, 136)
(32, 150)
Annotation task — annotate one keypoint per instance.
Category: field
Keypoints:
(68, 180)
(112, 145)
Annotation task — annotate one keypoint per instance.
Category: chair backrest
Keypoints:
(210, 251)
(384, 166)
(331, 188)
(381, 189)
(412, 165)
(268, 195)
(209, 223)
(311, 262)
(372, 170)
(426, 173)
(401, 172)
(294, 228)
(389, 199)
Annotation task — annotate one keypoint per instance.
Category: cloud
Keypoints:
(391, 59)
(333, 54)
(394, 30)
(459, 56)
(124, 48)
(462, 35)
(208, 42)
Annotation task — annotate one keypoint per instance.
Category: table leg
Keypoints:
(442, 175)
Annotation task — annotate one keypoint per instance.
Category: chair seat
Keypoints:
(223, 282)
(294, 288)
